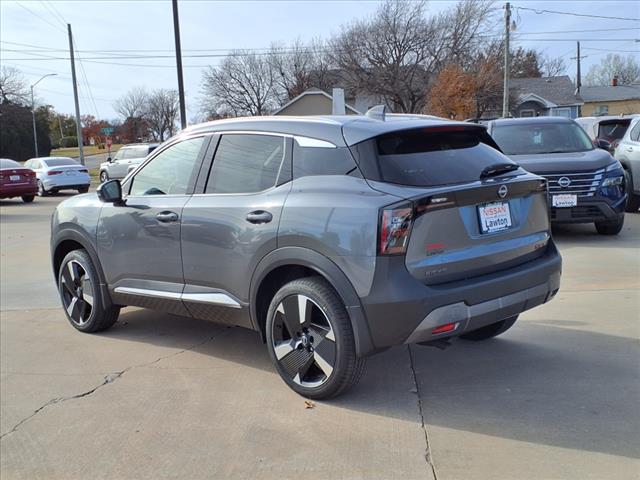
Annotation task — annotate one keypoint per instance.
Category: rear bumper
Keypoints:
(400, 309)
(71, 183)
(9, 191)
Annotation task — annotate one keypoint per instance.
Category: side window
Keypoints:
(169, 173)
(635, 133)
(119, 154)
(322, 161)
(246, 163)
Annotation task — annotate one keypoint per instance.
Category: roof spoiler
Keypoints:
(377, 113)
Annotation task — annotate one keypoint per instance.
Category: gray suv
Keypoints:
(125, 160)
(332, 237)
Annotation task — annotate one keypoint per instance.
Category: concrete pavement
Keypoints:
(158, 396)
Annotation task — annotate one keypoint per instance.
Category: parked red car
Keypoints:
(17, 181)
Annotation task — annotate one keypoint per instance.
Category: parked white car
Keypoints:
(628, 154)
(125, 160)
(59, 173)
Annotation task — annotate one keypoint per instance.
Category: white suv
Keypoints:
(125, 160)
(628, 153)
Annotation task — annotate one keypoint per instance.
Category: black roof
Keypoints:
(340, 130)
(559, 90)
(531, 120)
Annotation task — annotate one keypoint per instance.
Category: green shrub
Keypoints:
(66, 142)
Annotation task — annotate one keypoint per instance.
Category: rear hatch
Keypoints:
(466, 209)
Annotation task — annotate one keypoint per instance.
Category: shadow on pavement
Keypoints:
(547, 382)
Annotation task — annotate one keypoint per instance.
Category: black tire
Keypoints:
(41, 191)
(633, 200)
(490, 331)
(303, 358)
(28, 198)
(104, 176)
(83, 190)
(80, 293)
(610, 228)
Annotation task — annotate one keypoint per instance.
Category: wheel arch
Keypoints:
(289, 263)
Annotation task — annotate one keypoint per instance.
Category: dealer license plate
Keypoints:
(494, 217)
(564, 201)
(71, 172)
(14, 178)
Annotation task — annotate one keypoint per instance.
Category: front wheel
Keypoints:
(610, 228)
(310, 339)
(27, 198)
(81, 296)
(633, 200)
(491, 331)
(104, 176)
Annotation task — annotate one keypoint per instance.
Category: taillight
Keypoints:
(54, 172)
(395, 228)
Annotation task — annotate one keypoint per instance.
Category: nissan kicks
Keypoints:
(332, 237)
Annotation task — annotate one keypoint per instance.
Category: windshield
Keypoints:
(531, 139)
(59, 162)
(613, 130)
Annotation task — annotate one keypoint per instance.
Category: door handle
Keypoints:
(166, 217)
(629, 149)
(259, 216)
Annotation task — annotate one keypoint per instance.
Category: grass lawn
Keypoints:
(94, 173)
(88, 150)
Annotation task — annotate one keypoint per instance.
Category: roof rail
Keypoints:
(377, 112)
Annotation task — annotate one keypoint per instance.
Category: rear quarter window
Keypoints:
(308, 161)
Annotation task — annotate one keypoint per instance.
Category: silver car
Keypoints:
(125, 160)
(332, 237)
(628, 153)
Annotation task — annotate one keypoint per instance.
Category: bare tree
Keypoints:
(161, 113)
(243, 84)
(613, 65)
(396, 53)
(552, 67)
(13, 87)
(132, 107)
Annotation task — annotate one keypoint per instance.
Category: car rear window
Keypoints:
(613, 130)
(428, 157)
(538, 138)
(6, 163)
(58, 162)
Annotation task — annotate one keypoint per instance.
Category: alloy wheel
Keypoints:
(41, 191)
(104, 176)
(77, 292)
(304, 341)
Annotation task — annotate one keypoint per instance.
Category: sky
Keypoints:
(32, 29)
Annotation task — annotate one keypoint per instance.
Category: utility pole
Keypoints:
(505, 94)
(577, 58)
(75, 95)
(176, 34)
(33, 111)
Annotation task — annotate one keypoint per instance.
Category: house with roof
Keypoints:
(545, 96)
(611, 99)
(317, 102)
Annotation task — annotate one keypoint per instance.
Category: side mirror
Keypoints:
(602, 143)
(109, 159)
(111, 192)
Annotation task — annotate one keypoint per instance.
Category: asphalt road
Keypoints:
(158, 396)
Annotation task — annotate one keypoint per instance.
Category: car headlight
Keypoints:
(614, 175)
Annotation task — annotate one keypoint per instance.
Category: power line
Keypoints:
(610, 51)
(539, 12)
(38, 16)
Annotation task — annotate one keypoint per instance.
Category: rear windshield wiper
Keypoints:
(498, 169)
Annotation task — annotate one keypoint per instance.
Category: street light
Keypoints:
(33, 110)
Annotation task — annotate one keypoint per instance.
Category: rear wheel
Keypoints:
(610, 228)
(27, 198)
(633, 200)
(41, 191)
(310, 339)
(491, 331)
(81, 295)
